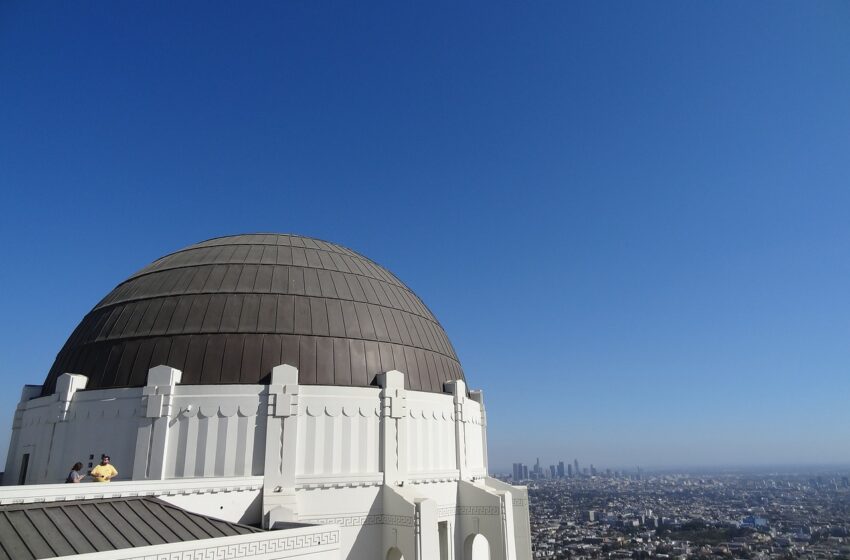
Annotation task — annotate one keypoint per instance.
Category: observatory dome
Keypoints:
(227, 310)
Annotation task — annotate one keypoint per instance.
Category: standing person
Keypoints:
(104, 472)
(75, 476)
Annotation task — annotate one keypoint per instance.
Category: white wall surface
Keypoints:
(474, 437)
(430, 433)
(339, 431)
(215, 431)
(97, 422)
(357, 511)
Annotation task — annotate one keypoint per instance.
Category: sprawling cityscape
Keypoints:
(582, 512)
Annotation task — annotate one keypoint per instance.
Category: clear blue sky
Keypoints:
(633, 219)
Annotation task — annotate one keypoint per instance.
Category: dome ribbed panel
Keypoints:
(227, 310)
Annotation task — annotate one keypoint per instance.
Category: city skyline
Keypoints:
(762, 515)
(630, 220)
(626, 469)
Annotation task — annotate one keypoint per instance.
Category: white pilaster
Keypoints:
(393, 427)
(279, 500)
(152, 436)
(478, 396)
(458, 389)
(14, 455)
(66, 385)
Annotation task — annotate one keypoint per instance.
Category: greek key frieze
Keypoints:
(359, 520)
(479, 510)
(246, 550)
(451, 511)
(447, 511)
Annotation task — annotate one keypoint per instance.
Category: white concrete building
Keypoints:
(270, 381)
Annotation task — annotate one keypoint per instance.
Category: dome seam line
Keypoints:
(167, 335)
(165, 296)
(355, 254)
(400, 284)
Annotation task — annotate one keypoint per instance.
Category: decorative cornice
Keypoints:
(427, 414)
(352, 480)
(246, 408)
(452, 475)
(349, 410)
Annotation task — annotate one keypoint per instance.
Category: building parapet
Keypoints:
(33, 493)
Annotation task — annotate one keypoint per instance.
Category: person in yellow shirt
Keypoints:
(104, 472)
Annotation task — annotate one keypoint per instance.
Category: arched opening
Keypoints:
(476, 547)
(394, 554)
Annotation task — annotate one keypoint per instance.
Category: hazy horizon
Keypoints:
(662, 457)
(789, 468)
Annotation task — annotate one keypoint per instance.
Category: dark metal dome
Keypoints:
(229, 309)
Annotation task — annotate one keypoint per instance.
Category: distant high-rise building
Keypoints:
(592, 470)
(517, 473)
(575, 467)
(525, 472)
(570, 471)
(560, 469)
(553, 471)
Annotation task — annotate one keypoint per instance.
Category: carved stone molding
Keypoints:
(429, 414)
(333, 411)
(336, 485)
